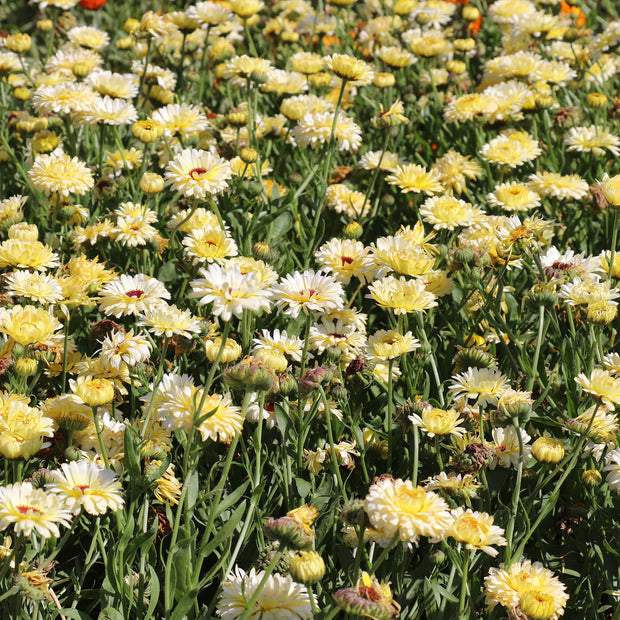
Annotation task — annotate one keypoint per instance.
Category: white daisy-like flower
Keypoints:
(230, 291)
(612, 467)
(168, 321)
(85, 485)
(131, 295)
(280, 598)
(196, 173)
(315, 129)
(30, 509)
(36, 286)
(396, 506)
(128, 348)
(279, 341)
(110, 111)
(505, 444)
(483, 384)
(307, 292)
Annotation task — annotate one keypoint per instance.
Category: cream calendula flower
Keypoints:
(169, 321)
(230, 291)
(127, 295)
(196, 173)
(476, 530)
(314, 130)
(280, 597)
(401, 295)
(308, 292)
(611, 189)
(85, 485)
(35, 286)
(344, 259)
(507, 587)
(436, 421)
(414, 178)
(559, 186)
(388, 345)
(448, 212)
(27, 325)
(60, 174)
(29, 509)
(355, 71)
(602, 384)
(514, 196)
(397, 507)
(483, 384)
(511, 150)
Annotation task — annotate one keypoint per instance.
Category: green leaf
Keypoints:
(232, 498)
(282, 224)
(192, 490)
(109, 613)
(74, 614)
(154, 593)
(303, 487)
(168, 272)
(184, 605)
(224, 532)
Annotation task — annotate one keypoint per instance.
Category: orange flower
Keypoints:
(92, 5)
(474, 27)
(575, 12)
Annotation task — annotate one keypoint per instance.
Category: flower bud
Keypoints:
(596, 100)
(591, 478)
(26, 366)
(151, 183)
(248, 155)
(44, 25)
(307, 567)
(456, 66)
(473, 357)
(289, 532)
(73, 453)
(40, 478)
(313, 378)
(288, 385)
(470, 13)
(249, 375)
(548, 450)
(384, 80)
(353, 514)
(464, 45)
(353, 230)
(18, 43)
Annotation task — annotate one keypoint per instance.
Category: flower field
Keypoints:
(309, 309)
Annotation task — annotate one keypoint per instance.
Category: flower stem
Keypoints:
(104, 453)
(464, 578)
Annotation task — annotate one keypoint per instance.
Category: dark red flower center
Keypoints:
(135, 293)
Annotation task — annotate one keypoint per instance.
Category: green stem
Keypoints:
(104, 453)
(218, 357)
(390, 413)
(539, 339)
(550, 503)
(515, 496)
(614, 239)
(377, 563)
(416, 455)
(333, 459)
(249, 606)
(464, 578)
(431, 357)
